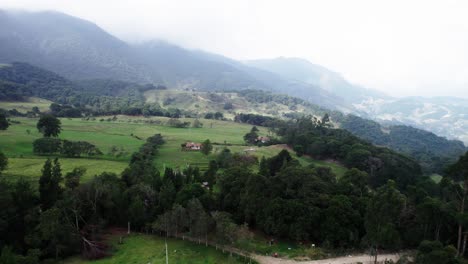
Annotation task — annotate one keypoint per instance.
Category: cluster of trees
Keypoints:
(313, 137)
(50, 127)
(216, 115)
(175, 122)
(4, 124)
(256, 120)
(49, 146)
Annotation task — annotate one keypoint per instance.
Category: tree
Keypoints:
(3, 162)
(49, 184)
(251, 137)
(459, 171)
(49, 126)
(4, 124)
(433, 252)
(197, 124)
(72, 179)
(381, 220)
(225, 228)
(199, 220)
(57, 232)
(207, 147)
(47, 145)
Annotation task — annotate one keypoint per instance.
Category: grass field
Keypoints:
(143, 249)
(127, 134)
(30, 168)
(27, 105)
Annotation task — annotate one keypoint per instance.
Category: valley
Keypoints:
(117, 150)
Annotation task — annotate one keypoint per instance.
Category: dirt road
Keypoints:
(365, 259)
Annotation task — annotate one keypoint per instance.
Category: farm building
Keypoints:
(191, 146)
(263, 139)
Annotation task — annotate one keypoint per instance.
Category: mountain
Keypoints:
(307, 72)
(79, 49)
(444, 116)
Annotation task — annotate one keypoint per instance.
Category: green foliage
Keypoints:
(72, 179)
(434, 153)
(78, 148)
(433, 252)
(3, 162)
(49, 126)
(49, 184)
(4, 124)
(382, 217)
(325, 143)
(197, 123)
(459, 170)
(47, 145)
(175, 122)
(206, 147)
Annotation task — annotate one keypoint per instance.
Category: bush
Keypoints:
(315, 253)
(47, 145)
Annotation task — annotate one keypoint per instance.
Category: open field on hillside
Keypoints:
(150, 249)
(202, 102)
(125, 135)
(27, 105)
(30, 168)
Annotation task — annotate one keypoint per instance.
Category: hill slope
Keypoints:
(434, 153)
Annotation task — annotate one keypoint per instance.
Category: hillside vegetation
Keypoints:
(119, 138)
(20, 81)
(434, 153)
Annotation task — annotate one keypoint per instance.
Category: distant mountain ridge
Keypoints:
(305, 71)
(78, 49)
(446, 116)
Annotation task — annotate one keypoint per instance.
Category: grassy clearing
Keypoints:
(30, 168)
(271, 151)
(27, 105)
(127, 134)
(436, 177)
(144, 249)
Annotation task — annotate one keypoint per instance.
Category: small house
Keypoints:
(263, 139)
(192, 146)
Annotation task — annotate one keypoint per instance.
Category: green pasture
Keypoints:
(30, 168)
(125, 135)
(143, 249)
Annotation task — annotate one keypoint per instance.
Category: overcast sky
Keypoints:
(400, 47)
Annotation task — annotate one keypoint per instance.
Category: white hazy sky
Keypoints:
(402, 47)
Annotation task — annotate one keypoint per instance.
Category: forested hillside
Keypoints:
(434, 153)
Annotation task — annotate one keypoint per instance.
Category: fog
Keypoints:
(400, 47)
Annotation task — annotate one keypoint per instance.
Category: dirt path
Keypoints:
(365, 259)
